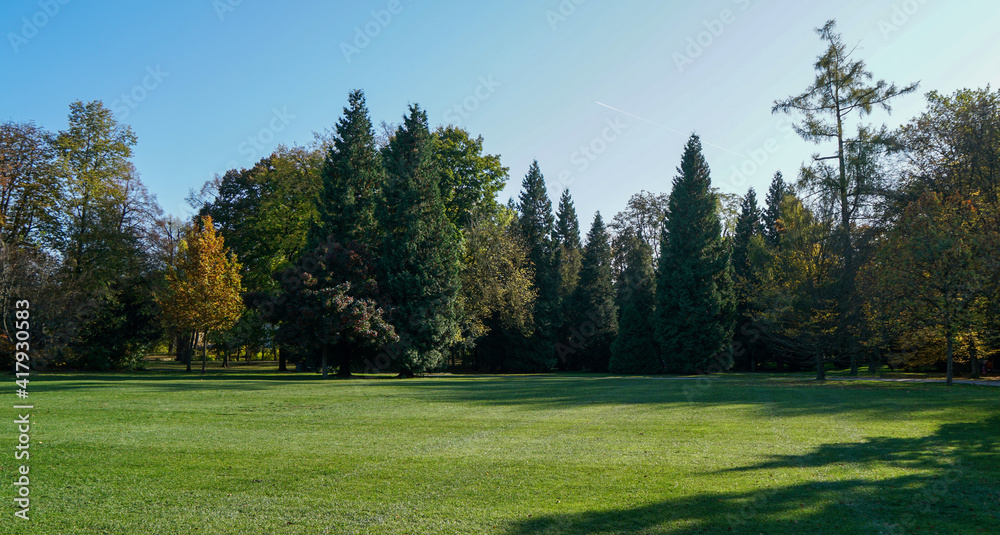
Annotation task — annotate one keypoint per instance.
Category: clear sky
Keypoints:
(210, 85)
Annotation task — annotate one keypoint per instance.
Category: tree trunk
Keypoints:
(204, 352)
(974, 357)
(325, 348)
(189, 350)
(345, 362)
(873, 362)
(820, 367)
(181, 346)
(225, 358)
(951, 343)
(282, 365)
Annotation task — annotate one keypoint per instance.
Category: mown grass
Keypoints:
(252, 451)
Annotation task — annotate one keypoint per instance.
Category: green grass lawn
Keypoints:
(249, 451)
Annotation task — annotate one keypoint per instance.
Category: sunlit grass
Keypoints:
(250, 450)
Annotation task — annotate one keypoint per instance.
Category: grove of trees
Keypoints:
(391, 252)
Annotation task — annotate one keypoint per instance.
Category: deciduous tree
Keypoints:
(204, 290)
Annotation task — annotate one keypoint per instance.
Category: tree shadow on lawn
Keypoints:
(781, 398)
(163, 382)
(952, 486)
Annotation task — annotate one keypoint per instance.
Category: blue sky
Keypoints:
(604, 94)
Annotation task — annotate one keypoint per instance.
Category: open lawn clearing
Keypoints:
(260, 452)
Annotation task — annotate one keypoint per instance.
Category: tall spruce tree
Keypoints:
(419, 265)
(353, 178)
(594, 322)
(772, 211)
(695, 304)
(635, 349)
(537, 224)
(749, 227)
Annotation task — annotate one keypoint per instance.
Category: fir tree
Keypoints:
(353, 178)
(419, 266)
(635, 349)
(694, 303)
(536, 225)
(772, 212)
(594, 322)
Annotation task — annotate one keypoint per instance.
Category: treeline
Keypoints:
(389, 250)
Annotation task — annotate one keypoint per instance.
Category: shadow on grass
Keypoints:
(167, 381)
(778, 396)
(952, 486)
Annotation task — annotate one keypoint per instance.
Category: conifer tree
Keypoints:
(635, 349)
(695, 302)
(567, 229)
(353, 178)
(331, 301)
(594, 322)
(537, 224)
(749, 227)
(569, 255)
(419, 265)
(568, 247)
(772, 211)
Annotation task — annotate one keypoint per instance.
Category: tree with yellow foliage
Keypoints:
(204, 287)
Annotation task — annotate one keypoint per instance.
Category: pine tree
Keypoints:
(695, 304)
(353, 178)
(772, 212)
(537, 224)
(635, 349)
(420, 262)
(594, 322)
